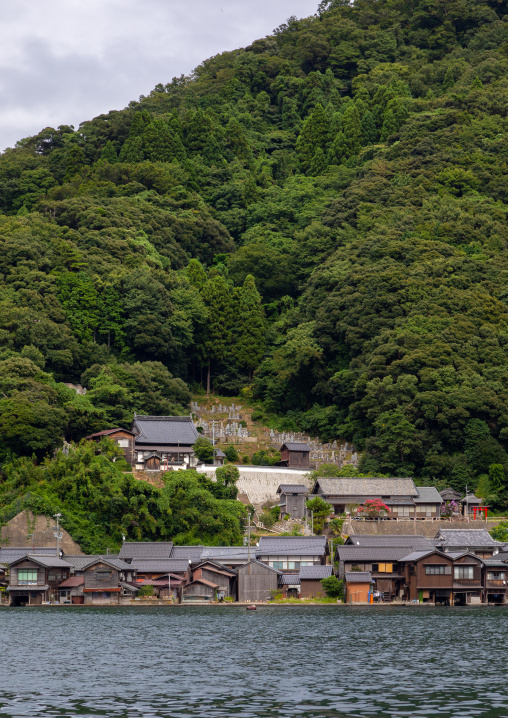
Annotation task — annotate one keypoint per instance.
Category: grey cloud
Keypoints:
(71, 69)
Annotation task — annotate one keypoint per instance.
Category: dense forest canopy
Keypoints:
(322, 213)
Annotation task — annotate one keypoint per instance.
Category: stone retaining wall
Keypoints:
(418, 528)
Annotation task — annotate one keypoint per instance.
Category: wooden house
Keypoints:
(216, 573)
(200, 590)
(148, 569)
(163, 442)
(257, 582)
(289, 583)
(34, 579)
(295, 454)
(71, 590)
(165, 586)
(495, 583)
(402, 497)
(123, 438)
(310, 580)
(108, 581)
(290, 553)
(357, 586)
(382, 562)
(446, 578)
(293, 500)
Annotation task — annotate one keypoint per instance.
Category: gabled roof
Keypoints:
(265, 565)
(358, 486)
(79, 562)
(428, 495)
(160, 565)
(107, 432)
(115, 563)
(215, 568)
(9, 554)
(46, 561)
(379, 540)
(204, 581)
(146, 550)
(469, 538)
(172, 430)
(417, 555)
(220, 453)
(295, 446)
(315, 572)
(371, 553)
(292, 489)
(471, 499)
(358, 577)
(291, 546)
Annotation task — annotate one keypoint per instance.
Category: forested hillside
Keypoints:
(319, 217)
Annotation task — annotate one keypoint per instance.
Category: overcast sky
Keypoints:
(66, 61)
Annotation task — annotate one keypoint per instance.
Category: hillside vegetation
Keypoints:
(318, 219)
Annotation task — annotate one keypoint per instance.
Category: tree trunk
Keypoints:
(208, 379)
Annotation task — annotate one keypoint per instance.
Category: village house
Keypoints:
(34, 579)
(108, 580)
(221, 576)
(257, 582)
(400, 495)
(293, 500)
(295, 455)
(148, 569)
(448, 578)
(165, 586)
(357, 586)
(163, 442)
(289, 583)
(382, 562)
(477, 541)
(495, 584)
(289, 553)
(123, 438)
(310, 580)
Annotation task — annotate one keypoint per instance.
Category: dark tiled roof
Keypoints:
(291, 546)
(72, 582)
(292, 489)
(107, 432)
(187, 552)
(355, 486)
(315, 572)
(205, 582)
(170, 430)
(358, 576)
(469, 538)
(8, 554)
(114, 562)
(164, 449)
(388, 540)
(417, 555)
(289, 579)
(220, 453)
(428, 495)
(502, 556)
(47, 561)
(80, 561)
(215, 568)
(471, 499)
(146, 550)
(160, 565)
(296, 446)
(370, 553)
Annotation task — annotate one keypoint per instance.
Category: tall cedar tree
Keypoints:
(314, 136)
(218, 331)
(250, 326)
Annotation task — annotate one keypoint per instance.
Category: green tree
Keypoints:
(320, 510)
(314, 135)
(232, 454)
(333, 587)
(203, 448)
(250, 327)
(217, 297)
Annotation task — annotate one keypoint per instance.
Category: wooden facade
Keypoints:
(437, 577)
(293, 500)
(256, 582)
(123, 438)
(105, 583)
(35, 580)
(224, 578)
(200, 590)
(295, 455)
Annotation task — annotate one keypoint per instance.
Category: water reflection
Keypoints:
(322, 662)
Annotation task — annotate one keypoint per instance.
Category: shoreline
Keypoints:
(257, 605)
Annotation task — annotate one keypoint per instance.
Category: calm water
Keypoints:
(323, 662)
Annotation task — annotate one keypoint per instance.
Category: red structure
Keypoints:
(478, 509)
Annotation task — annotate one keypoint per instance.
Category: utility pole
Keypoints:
(248, 540)
(312, 522)
(466, 506)
(57, 534)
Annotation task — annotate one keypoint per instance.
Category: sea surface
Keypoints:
(315, 662)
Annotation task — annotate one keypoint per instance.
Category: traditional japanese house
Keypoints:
(471, 504)
(108, 581)
(34, 579)
(450, 495)
(221, 576)
(293, 500)
(123, 438)
(148, 569)
(200, 590)
(71, 590)
(495, 584)
(164, 441)
(477, 541)
(357, 586)
(295, 454)
(310, 580)
(402, 497)
(382, 562)
(290, 553)
(447, 578)
(219, 458)
(165, 586)
(257, 582)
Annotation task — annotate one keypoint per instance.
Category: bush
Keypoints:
(256, 416)
(333, 587)
(204, 450)
(245, 459)
(263, 458)
(145, 591)
(232, 454)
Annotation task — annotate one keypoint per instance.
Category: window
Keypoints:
(463, 572)
(293, 564)
(434, 570)
(383, 567)
(498, 576)
(27, 577)
(123, 443)
(403, 510)
(55, 576)
(277, 564)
